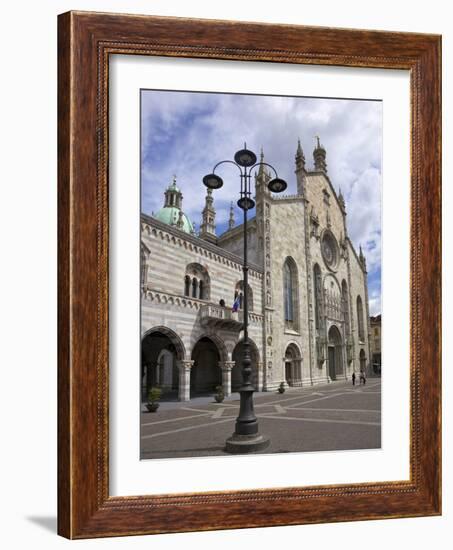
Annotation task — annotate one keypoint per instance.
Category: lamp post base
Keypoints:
(243, 444)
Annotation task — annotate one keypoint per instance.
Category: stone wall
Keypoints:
(233, 241)
(292, 227)
(163, 299)
(359, 288)
(287, 232)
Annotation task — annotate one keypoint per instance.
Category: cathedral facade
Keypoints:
(307, 293)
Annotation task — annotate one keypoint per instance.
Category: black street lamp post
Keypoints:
(246, 438)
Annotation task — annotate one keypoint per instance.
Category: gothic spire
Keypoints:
(341, 201)
(362, 257)
(300, 169)
(231, 221)
(263, 176)
(207, 227)
(261, 168)
(319, 156)
(300, 157)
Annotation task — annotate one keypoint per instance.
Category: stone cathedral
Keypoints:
(308, 297)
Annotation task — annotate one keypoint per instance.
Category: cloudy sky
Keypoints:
(186, 133)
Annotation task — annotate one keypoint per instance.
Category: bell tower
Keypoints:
(173, 196)
(207, 227)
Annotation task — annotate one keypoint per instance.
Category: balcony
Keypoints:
(221, 318)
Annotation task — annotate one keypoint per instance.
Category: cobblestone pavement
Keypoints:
(336, 416)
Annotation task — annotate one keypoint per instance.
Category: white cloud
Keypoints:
(187, 133)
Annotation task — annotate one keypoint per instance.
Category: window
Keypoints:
(330, 250)
(290, 297)
(288, 284)
(187, 284)
(194, 288)
(143, 266)
(197, 282)
(360, 323)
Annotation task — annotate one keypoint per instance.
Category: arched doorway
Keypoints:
(205, 374)
(236, 372)
(293, 365)
(335, 355)
(161, 349)
(362, 358)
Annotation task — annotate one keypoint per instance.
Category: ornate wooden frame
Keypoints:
(85, 41)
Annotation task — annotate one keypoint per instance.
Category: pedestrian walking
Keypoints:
(353, 378)
(362, 377)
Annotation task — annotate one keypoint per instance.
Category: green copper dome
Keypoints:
(170, 215)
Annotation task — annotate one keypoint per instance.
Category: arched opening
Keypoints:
(161, 349)
(194, 288)
(236, 372)
(205, 374)
(290, 295)
(335, 355)
(360, 323)
(187, 284)
(197, 282)
(143, 266)
(293, 365)
(362, 359)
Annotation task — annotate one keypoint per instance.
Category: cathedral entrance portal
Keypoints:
(362, 358)
(205, 374)
(335, 355)
(332, 373)
(293, 360)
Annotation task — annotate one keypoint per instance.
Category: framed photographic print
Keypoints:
(249, 275)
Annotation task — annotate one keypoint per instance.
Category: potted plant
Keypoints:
(281, 388)
(220, 395)
(154, 394)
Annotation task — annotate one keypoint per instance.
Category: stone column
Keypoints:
(226, 367)
(184, 380)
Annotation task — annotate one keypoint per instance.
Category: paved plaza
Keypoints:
(336, 416)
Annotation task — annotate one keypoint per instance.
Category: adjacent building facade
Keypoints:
(308, 297)
(375, 344)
